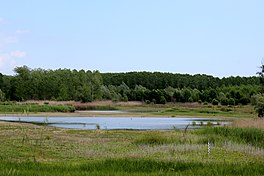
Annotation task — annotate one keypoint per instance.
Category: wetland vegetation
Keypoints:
(39, 150)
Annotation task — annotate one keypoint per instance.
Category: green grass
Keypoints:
(30, 150)
(34, 108)
(193, 110)
(171, 110)
(209, 111)
(89, 107)
(129, 167)
(252, 136)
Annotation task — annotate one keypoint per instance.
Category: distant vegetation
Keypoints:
(29, 108)
(150, 87)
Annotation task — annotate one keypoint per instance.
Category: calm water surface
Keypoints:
(134, 123)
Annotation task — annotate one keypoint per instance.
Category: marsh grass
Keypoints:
(130, 167)
(249, 122)
(208, 110)
(52, 151)
(83, 107)
(153, 140)
(252, 136)
(34, 108)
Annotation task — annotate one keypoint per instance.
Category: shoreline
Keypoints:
(128, 115)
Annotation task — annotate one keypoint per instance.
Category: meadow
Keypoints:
(26, 108)
(71, 108)
(28, 149)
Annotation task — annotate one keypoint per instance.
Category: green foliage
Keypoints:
(231, 101)
(61, 84)
(83, 107)
(127, 166)
(153, 139)
(224, 101)
(261, 77)
(158, 80)
(162, 100)
(258, 102)
(88, 86)
(215, 101)
(2, 95)
(28, 108)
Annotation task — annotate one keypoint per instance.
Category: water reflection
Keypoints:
(134, 123)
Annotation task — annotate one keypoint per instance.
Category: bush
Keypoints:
(244, 101)
(224, 101)
(162, 100)
(215, 102)
(147, 102)
(258, 102)
(231, 101)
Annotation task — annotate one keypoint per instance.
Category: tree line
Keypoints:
(158, 80)
(150, 87)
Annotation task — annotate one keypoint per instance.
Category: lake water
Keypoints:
(133, 123)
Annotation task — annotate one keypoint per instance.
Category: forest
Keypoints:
(150, 87)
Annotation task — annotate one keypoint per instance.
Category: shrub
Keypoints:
(215, 102)
(148, 102)
(162, 100)
(231, 101)
(224, 101)
(258, 102)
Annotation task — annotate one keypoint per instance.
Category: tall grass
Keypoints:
(27, 108)
(249, 122)
(83, 107)
(252, 136)
(130, 167)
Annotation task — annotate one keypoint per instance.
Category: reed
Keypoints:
(130, 167)
(252, 136)
(34, 108)
(249, 122)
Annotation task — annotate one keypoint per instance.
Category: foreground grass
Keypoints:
(38, 150)
(130, 167)
(250, 136)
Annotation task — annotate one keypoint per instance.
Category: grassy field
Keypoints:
(39, 150)
(15, 108)
(130, 109)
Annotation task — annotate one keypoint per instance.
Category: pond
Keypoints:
(132, 123)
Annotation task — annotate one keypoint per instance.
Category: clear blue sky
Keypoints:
(219, 38)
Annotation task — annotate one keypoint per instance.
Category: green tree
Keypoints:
(215, 101)
(2, 95)
(258, 103)
(261, 77)
(23, 84)
(178, 96)
(162, 100)
(96, 84)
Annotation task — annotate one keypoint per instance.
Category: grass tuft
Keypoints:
(252, 136)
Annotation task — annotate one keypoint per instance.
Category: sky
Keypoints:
(221, 38)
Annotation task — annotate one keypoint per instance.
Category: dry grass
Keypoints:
(249, 122)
